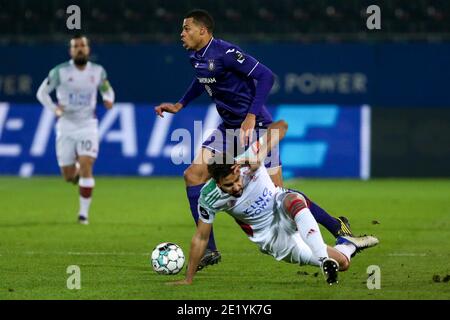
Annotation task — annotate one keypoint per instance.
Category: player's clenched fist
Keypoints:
(167, 107)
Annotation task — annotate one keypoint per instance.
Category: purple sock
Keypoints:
(193, 193)
(322, 217)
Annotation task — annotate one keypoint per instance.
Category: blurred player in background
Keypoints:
(239, 85)
(77, 142)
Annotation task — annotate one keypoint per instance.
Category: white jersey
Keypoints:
(254, 210)
(76, 91)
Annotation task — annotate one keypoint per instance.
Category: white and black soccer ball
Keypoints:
(167, 258)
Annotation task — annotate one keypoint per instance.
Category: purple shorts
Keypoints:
(227, 140)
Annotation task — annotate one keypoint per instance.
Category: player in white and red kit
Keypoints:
(77, 143)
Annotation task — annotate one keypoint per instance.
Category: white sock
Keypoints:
(85, 203)
(310, 233)
(347, 249)
(87, 184)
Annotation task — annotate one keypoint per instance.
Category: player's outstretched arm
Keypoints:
(194, 90)
(198, 247)
(106, 90)
(167, 107)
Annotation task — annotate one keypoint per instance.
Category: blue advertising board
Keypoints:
(322, 140)
(388, 75)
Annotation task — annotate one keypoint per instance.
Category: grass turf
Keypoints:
(39, 239)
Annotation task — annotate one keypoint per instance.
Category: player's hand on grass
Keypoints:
(167, 107)
(247, 127)
(59, 111)
(179, 282)
(108, 104)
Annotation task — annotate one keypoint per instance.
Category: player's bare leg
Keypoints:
(70, 173)
(195, 176)
(344, 262)
(197, 172)
(340, 255)
(86, 186)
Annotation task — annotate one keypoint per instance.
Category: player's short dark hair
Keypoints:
(78, 36)
(202, 17)
(220, 165)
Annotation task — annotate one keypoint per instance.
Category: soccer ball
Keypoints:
(167, 258)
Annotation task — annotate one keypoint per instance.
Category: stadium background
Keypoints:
(327, 63)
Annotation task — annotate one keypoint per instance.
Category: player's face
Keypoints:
(79, 50)
(192, 34)
(232, 184)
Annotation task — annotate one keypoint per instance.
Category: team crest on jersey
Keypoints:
(211, 65)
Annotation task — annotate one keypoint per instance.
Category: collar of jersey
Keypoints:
(203, 50)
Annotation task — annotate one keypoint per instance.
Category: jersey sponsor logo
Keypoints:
(204, 213)
(80, 99)
(257, 207)
(207, 80)
(211, 65)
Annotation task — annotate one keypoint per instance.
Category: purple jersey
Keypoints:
(235, 81)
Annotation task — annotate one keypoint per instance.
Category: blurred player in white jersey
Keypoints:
(277, 220)
(77, 142)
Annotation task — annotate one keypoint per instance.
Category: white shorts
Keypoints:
(282, 240)
(70, 145)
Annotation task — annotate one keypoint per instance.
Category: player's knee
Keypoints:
(86, 170)
(344, 264)
(294, 203)
(194, 174)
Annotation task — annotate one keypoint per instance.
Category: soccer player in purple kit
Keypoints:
(239, 86)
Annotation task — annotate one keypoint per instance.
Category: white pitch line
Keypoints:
(71, 253)
(406, 254)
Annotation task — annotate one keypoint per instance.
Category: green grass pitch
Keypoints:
(39, 239)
